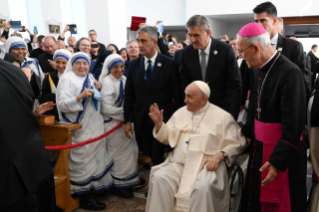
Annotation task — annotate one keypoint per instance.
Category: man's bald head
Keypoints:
(195, 99)
(60, 44)
(50, 44)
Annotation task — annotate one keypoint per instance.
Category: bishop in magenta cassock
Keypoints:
(276, 175)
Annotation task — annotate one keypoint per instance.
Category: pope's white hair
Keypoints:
(263, 40)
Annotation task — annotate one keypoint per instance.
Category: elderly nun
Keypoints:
(78, 101)
(123, 150)
(50, 82)
(17, 47)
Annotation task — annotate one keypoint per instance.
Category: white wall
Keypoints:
(4, 9)
(117, 14)
(285, 8)
(171, 12)
(233, 29)
(34, 8)
(218, 28)
(95, 21)
(79, 17)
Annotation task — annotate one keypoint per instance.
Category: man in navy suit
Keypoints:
(152, 78)
(213, 62)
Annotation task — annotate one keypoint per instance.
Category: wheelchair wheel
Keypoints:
(236, 188)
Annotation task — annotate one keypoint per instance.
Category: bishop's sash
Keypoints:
(275, 196)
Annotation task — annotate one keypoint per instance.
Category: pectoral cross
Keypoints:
(187, 142)
(259, 111)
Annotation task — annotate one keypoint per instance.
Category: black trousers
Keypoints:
(148, 144)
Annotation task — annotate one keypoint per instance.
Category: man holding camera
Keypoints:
(93, 36)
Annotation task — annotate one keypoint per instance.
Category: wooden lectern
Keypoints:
(58, 134)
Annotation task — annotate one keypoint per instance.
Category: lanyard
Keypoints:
(145, 75)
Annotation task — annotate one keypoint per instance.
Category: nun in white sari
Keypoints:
(77, 101)
(123, 150)
(17, 47)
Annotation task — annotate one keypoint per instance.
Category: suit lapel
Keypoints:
(211, 60)
(157, 69)
(196, 65)
(280, 43)
(141, 71)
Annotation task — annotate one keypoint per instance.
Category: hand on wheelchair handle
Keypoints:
(214, 161)
(248, 140)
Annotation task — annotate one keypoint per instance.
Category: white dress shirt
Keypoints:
(274, 41)
(207, 51)
(152, 59)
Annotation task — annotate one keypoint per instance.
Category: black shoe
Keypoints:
(92, 204)
(125, 193)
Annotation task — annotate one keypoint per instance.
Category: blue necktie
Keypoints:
(149, 70)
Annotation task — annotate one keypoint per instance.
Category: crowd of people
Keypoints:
(146, 85)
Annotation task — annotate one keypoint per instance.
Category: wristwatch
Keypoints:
(225, 154)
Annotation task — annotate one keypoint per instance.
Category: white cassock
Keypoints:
(123, 150)
(182, 183)
(89, 165)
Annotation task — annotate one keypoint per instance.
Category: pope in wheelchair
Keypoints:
(194, 177)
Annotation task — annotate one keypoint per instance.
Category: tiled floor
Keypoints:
(118, 204)
(137, 204)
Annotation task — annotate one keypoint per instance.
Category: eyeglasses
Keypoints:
(241, 52)
(85, 45)
(92, 34)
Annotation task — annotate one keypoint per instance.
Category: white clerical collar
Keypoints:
(274, 40)
(152, 59)
(269, 59)
(203, 109)
(207, 49)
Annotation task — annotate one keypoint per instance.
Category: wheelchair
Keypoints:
(236, 184)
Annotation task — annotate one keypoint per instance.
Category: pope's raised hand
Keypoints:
(156, 115)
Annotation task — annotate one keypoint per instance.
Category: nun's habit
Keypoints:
(89, 165)
(123, 150)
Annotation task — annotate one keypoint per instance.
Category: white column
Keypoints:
(35, 16)
(108, 18)
(79, 17)
(117, 22)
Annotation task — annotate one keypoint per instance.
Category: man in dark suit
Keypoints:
(266, 15)
(46, 59)
(152, 78)
(313, 60)
(212, 61)
(39, 51)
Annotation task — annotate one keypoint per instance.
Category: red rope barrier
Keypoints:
(70, 146)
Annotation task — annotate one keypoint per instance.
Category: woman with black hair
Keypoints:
(123, 53)
(113, 48)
